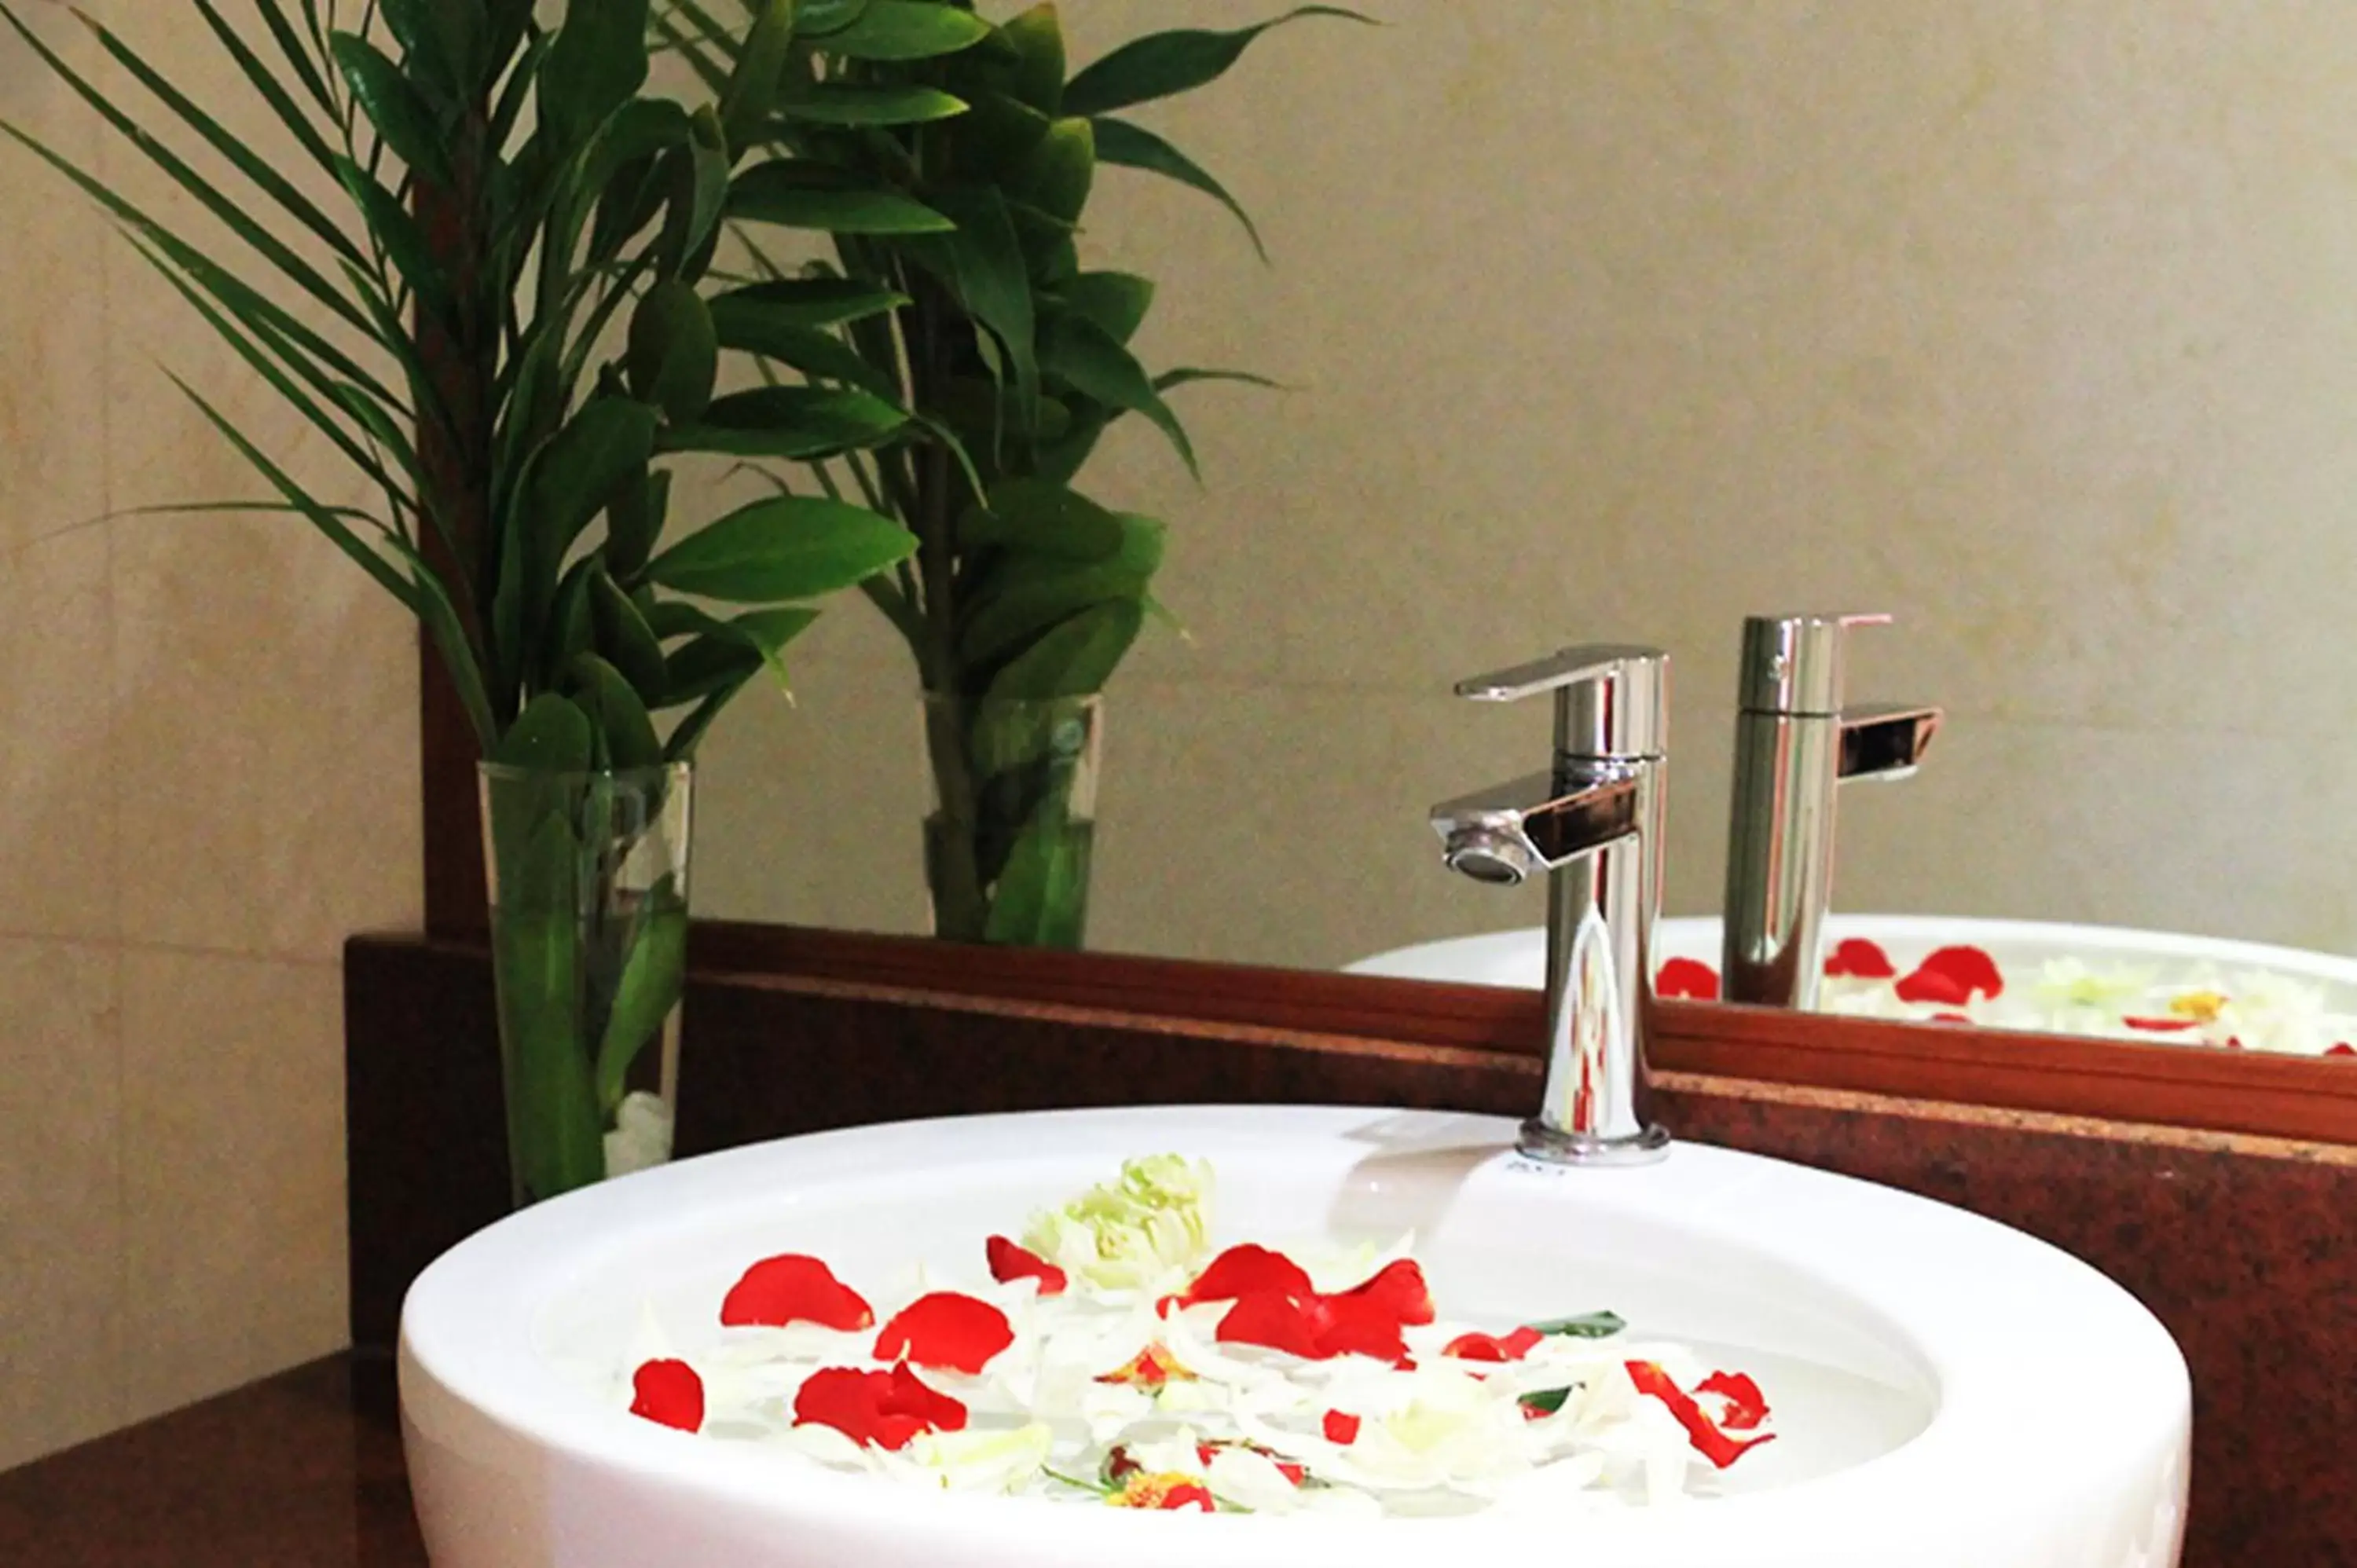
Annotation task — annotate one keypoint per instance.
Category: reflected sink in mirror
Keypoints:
(2153, 987)
(1946, 1391)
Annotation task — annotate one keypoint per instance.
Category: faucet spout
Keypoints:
(1886, 742)
(1541, 822)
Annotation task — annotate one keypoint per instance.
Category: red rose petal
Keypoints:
(1342, 1427)
(1970, 968)
(1475, 1347)
(1399, 1288)
(1934, 986)
(1704, 1435)
(886, 1409)
(1511, 1346)
(1952, 1018)
(1747, 1407)
(1355, 1325)
(668, 1393)
(1686, 980)
(1859, 959)
(947, 1330)
(1188, 1495)
(2159, 1025)
(1247, 1270)
(1009, 1263)
(1274, 1321)
(793, 1289)
(2343, 1049)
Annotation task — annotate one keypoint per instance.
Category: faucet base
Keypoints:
(1556, 1147)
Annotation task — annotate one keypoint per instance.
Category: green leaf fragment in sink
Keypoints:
(1589, 1325)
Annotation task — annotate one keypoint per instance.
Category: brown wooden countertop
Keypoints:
(302, 1470)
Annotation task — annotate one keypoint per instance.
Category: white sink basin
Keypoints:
(1949, 1393)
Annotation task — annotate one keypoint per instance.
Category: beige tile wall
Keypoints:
(2033, 321)
(209, 758)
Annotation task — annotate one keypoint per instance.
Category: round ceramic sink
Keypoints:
(1949, 1393)
(2152, 987)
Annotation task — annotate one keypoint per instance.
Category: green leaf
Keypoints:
(1056, 177)
(551, 735)
(234, 148)
(230, 212)
(1134, 146)
(1035, 516)
(752, 88)
(1115, 301)
(800, 195)
(815, 19)
(394, 107)
(982, 411)
(1162, 65)
(1031, 595)
(800, 302)
(901, 29)
(1086, 355)
(304, 61)
(1588, 1326)
(838, 103)
(555, 1139)
(789, 421)
(983, 261)
(585, 466)
(1189, 375)
(785, 548)
(571, 630)
(1041, 897)
(1076, 658)
(618, 716)
(634, 521)
(644, 999)
(640, 129)
(596, 64)
(1036, 39)
(673, 357)
(820, 355)
(770, 631)
(995, 136)
(1546, 1402)
(720, 661)
(624, 639)
(403, 241)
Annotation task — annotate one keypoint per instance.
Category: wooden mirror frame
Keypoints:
(2274, 1096)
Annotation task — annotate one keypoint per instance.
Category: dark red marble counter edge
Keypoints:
(2241, 1245)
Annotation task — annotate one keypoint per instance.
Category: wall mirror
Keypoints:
(2032, 326)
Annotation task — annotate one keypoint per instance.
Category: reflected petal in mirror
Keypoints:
(2110, 982)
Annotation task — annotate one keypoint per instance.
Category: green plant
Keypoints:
(510, 201)
(508, 194)
(951, 161)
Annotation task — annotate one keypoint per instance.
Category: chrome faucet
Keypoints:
(1795, 744)
(1593, 823)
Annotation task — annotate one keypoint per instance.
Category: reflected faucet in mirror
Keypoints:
(1796, 745)
(1593, 822)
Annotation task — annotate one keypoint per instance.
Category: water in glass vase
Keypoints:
(589, 918)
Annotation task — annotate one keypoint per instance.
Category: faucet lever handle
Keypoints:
(1794, 663)
(1610, 699)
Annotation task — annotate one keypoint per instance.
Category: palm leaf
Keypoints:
(320, 516)
(266, 83)
(302, 274)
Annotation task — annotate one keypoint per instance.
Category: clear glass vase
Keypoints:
(589, 915)
(1008, 845)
